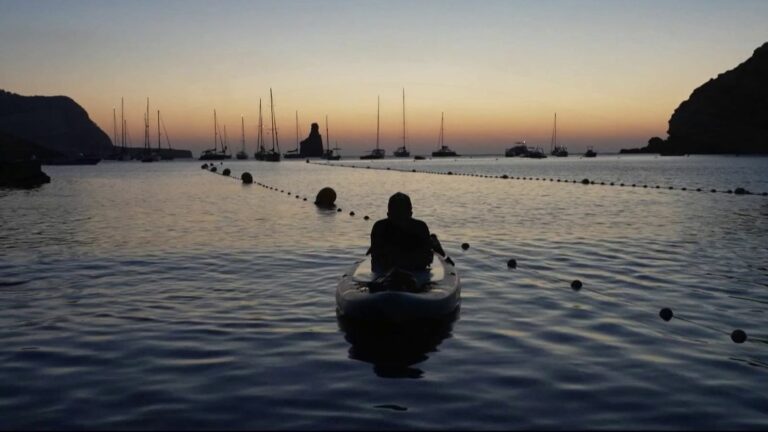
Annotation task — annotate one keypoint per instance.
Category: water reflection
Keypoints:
(394, 348)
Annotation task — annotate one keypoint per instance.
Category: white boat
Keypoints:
(438, 294)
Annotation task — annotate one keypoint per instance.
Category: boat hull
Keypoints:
(355, 300)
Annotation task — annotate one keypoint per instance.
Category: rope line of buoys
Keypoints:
(666, 314)
(247, 178)
(735, 191)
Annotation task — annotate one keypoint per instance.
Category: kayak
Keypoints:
(432, 293)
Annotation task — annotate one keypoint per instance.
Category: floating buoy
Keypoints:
(246, 177)
(741, 191)
(671, 187)
(576, 285)
(713, 190)
(204, 166)
(505, 176)
(338, 209)
(512, 263)
(658, 187)
(585, 182)
(622, 184)
(729, 191)
(326, 197)
(666, 314)
(351, 213)
(305, 198)
(698, 189)
(465, 246)
(450, 172)
(226, 172)
(611, 183)
(213, 169)
(633, 185)
(739, 336)
(365, 217)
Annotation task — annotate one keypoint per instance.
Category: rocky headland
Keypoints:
(313, 145)
(725, 115)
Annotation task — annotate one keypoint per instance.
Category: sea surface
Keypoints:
(156, 296)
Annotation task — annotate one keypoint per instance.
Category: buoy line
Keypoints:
(247, 178)
(737, 336)
(585, 181)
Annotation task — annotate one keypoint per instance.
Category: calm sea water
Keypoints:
(155, 296)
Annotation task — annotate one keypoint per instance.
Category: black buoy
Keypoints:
(305, 198)
(365, 217)
(465, 246)
(765, 193)
(213, 169)
(338, 209)
(326, 198)
(671, 187)
(512, 263)
(729, 191)
(739, 336)
(741, 191)
(713, 190)
(698, 189)
(505, 176)
(576, 285)
(246, 177)
(585, 182)
(666, 314)
(351, 213)
(204, 166)
(685, 189)
(611, 183)
(226, 172)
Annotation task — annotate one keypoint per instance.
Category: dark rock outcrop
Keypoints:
(20, 162)
(727, 114)
(313, 145)
(54, 122)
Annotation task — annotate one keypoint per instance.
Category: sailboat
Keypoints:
(402, 151)
(214, 153)
(555, 149)
(148, 155)
(329, 154)
(377, 153)
(274, 154)
(443, 150)
(242, 155)
(294, 154)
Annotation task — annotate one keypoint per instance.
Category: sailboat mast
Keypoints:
(146, 128)
(260, 137)
(242, 130)
(158, 130)
(378, 119)
(442, 130)
(122, 122)
(215, 132)
(327, 136)
(554, 131)
(297, 131)
(114, 126)
(403, 119)
(275, 141)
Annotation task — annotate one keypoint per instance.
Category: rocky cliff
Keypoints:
(727, 114)
(54, 122)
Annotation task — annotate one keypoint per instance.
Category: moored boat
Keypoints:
(436, 293)
(442, 149)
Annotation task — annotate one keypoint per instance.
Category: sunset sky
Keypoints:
(612, 70)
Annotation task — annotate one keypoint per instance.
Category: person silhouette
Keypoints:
(400, 241)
